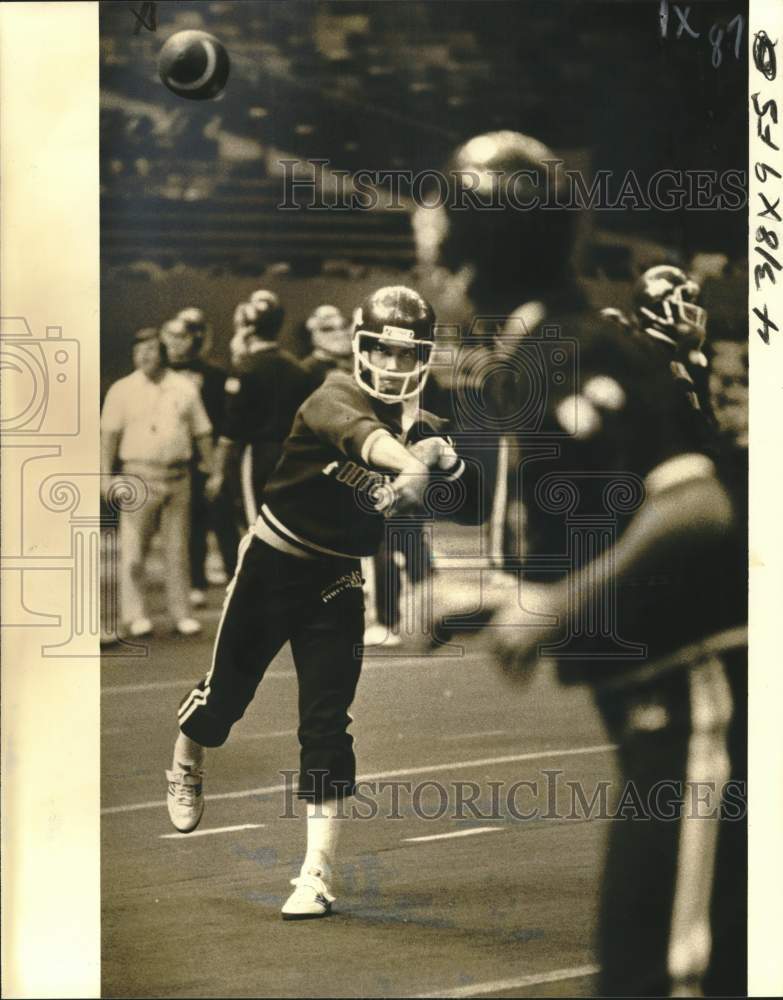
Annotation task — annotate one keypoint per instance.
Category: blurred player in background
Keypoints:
(612, 453)
(267, 388)
(330, 332)
(668, 310)
(186, 340)
(358, 449)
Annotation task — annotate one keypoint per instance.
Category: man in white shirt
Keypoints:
(150, 420)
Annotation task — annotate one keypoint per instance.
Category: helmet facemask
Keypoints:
(400, 385)
(679, 317)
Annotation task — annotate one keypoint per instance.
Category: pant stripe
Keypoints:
(497, 521)
(248, 493)
(708, 761)
(198, 696)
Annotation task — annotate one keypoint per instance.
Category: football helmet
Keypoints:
(505, 218)
(269, 314)
(394, 316)
(330, 331)
(182, 343)
(666, 303)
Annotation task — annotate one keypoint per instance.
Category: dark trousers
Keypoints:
(217, 515)
(673, 902)
(318, 605)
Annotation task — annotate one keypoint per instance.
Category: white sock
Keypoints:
(323, 829)
(188, 753)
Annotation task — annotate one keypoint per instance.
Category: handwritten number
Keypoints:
(768, 324)
(739, 22)
(767, 236)
(716, 37)
(763, 170)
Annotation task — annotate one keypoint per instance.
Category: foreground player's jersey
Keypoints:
(609, 414)
(621, 431)
(324, 496)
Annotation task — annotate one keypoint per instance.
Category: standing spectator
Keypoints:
(149, 422)
(262, 399)
(185, 339)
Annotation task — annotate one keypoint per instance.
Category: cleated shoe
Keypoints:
(310, 899)
(185, 798)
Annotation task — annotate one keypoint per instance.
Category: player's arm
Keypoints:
(111, 433)
(236, 419)
(691, 509)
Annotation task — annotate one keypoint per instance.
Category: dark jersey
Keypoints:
(614, 427)
(211, 383)
(318, 367)
(597, 413)
(324, 496)
(262, 399)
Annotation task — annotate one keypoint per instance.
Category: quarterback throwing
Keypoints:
(359, 448)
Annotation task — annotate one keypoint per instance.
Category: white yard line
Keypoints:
(263, 736)
(216, 829)
(398, 773)
(455, 833)
(500, 985)
(474, 736)
(186, 683)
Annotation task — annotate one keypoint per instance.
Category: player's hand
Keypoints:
(409, 486)
(516, 637)
(434, 452)
(213, 486)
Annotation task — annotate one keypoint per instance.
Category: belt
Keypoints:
(157, 470)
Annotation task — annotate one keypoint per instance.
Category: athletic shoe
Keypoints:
(185, 798)
(310, 899)
(140, 627)
(197, 598)
(188, 626)
(379, 635)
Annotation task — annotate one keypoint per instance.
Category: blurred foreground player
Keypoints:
(267, 388)
(638, 536)
(299, 576)
(514, 271)
(185, 339)
(673, 911)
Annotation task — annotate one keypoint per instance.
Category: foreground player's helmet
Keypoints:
(330, 331)
(505, 215)
(666, 302)
(393, 316)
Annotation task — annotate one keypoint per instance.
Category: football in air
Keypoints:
(194, 64)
